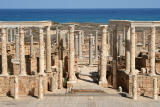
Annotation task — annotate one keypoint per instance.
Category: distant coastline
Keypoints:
(88, 15)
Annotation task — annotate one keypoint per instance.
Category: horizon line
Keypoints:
(82, 8)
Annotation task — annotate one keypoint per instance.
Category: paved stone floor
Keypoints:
(78, 101)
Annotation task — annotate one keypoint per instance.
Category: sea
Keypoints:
(81, 15)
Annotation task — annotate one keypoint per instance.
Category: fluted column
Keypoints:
(48, 53)
(132, 51)
(41, 52)
(96, 48)
(90, 49)
(79, 45)
(31, 44)
(72, 78)
(4, 53)
(152, 52)
(22, 53)
(103, 70)
(127, 49)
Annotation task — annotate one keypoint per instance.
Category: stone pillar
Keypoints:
(15, 87)
(48, 53)
(64, 40)
(132, 51)
(22, 53)
(82, 33)
(57, 33)
(17, 45)
(67, 40)
(79, 45)
(111, 43)
(11, 39)
(90, 49)
(72, 78)
(155, 88)
(120, 49)
(41, 52)
(144, 38)
(4, 53)
(76, 44)
(7, 35)
(31, 44)
(60, 86)
(96, 48)
(114, 57)
(103, 81)
(134, 88)
(127, 49)
(152, 52)
(40, 87)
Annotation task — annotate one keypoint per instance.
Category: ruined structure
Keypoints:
(38, 57)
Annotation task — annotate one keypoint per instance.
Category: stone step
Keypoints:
(87, 91)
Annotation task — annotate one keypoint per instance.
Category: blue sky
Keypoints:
(79, 3)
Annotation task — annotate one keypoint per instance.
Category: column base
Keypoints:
(103, 84)
(70, 84)
(22, 75)
(3, 75)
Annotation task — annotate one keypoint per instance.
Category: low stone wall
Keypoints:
(27, 85)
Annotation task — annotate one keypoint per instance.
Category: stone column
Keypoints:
(111, 43)
(82, 33)
(120, 49)
(7, 35)
(103, 81)
(114, 57)
(15, 87)
(134, 88)
(72, 78)
(48, 53)
(57, 33)
(17, 45)
(152, 52)
(41, 52)
(90, 49)
(127, 50)
(31, 44)
(22, 53)
(132, 51)
(96, 48)
(144, 38)
(60, 86)
(4, 53)
(11, 39)
(76, 44)
(40, 87)
(64, 40)
(155, 88)
(79, 45)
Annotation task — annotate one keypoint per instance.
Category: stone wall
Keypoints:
(28, 85)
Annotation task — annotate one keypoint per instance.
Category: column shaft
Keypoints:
(41, 52)
(90, 49)
(16, 87)
(127, 50)
(155, 88)
(96, 48)
(40, 87)
(134, 78)
(22, 53)
(152, 51)
(132, 52)
(4, 53)
(48, 53)
(79, 45)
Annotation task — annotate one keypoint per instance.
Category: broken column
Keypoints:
(22, 53)
(127, 49)
(155, 88)
(103, 81)
(90, 49)
(72, 78)
(15, 87)
(41, 52)
(40, 87)
(48, 51)
(60, 86)
(134, 88)
(152, 52)
(4, 53)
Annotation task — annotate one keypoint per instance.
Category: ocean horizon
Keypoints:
(101, 15)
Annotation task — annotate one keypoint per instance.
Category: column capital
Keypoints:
(71, 28)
